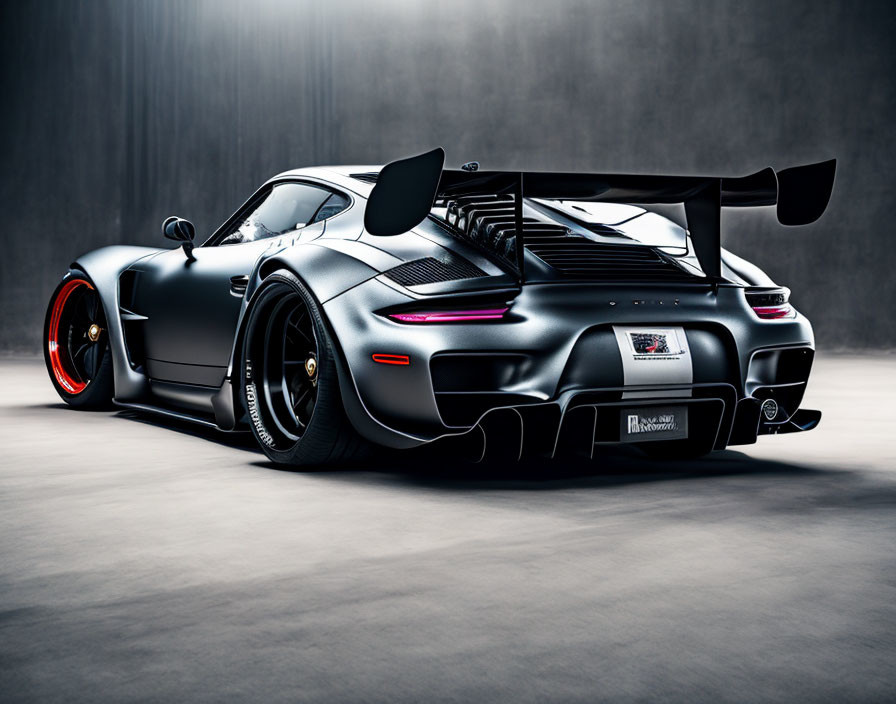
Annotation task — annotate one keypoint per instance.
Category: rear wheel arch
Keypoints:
(265, 271)
(328, 435)
(272, 266)
(372, 430)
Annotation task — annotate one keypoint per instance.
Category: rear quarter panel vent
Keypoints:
(430, 270)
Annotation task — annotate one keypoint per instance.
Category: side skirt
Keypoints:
(177, 415)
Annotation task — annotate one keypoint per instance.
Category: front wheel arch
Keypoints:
(98, 389)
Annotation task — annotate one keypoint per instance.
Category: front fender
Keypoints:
(103, 266)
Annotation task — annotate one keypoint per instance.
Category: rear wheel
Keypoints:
(289, 382)
(76, 344)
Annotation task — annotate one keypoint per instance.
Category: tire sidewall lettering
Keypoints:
(254, 410)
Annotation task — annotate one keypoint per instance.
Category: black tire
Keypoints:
(296, 415)
(79, 366)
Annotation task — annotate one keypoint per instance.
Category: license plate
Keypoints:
(653, 423)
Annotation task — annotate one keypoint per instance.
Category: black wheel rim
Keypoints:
(283, 360)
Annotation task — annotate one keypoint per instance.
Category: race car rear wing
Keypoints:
(406, 190)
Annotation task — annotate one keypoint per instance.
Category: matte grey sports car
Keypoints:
(518, 313)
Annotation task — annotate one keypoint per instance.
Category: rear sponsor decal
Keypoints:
(653, 343)
(654, 357)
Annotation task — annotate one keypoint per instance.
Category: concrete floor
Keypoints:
(144, 562)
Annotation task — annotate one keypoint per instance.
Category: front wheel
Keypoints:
(289, 382)
(76, 344)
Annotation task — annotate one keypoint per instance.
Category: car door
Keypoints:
(192, 305)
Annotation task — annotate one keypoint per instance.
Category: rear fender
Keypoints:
(326, 273)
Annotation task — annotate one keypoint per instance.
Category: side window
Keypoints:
(288, 207)
(334, 205)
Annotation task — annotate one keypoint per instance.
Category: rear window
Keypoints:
(630, 224)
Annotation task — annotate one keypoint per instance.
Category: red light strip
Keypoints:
(774, 312)
(402, 359)
(450, 316)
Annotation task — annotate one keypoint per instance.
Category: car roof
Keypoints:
(337, 175)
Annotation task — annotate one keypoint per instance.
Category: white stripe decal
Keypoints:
(654, 357)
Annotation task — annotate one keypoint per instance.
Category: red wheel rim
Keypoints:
(68, 381)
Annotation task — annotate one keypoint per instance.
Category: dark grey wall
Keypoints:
(116, 114)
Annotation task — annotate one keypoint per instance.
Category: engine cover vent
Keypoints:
(582, 258)
(431, 270)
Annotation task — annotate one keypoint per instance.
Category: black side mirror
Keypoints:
(180, 230)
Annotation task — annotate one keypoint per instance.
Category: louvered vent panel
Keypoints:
(581, 258)
(431, 271)
(488, 220)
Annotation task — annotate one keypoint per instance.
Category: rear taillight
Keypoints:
(450, 316)
(774, 312)
(770, 303)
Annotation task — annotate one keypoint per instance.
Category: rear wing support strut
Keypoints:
(518, 225)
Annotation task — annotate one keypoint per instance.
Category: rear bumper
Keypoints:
(591, 418)
(555, 363)
(580, 424)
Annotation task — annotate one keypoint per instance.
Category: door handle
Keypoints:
(239, 284)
